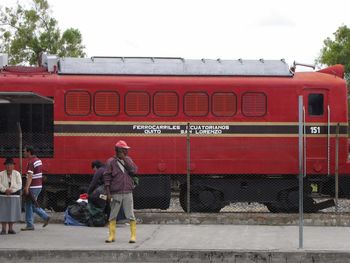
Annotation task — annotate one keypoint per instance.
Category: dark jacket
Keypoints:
(97, 179)
(117, 180)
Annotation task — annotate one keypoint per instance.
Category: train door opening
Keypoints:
(34, 113)
(348, 100)
(317, 129)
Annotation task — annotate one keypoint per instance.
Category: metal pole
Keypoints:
(188, 167)
(337, 168)
(328, 140)
(301, 177)
(20, 147)
(304, 140)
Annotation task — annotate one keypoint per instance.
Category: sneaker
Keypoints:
(11, 232)
(27, 228)
(46, 222)
(3, 233)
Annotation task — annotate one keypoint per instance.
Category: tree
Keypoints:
(337, 51)
(27, 32)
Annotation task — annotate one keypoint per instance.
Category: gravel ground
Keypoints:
(343, 207)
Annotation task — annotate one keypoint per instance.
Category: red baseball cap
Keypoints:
(122, 144)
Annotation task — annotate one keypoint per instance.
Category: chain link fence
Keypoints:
(212, 180)
(226, 191)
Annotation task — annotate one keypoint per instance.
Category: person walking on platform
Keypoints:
(32, 189)
(119, 186)
(10, 197)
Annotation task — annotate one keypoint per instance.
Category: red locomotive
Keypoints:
(242, 119)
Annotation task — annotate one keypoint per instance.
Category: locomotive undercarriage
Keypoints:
(62, 190)
(280, 194)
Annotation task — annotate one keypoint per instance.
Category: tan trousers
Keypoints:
(126, 200)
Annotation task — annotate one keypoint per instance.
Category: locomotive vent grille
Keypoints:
(254, 104)
(77, 103)
(224, 104)
(166, 103)
(196, 104)
(137, 103)
(106, 103)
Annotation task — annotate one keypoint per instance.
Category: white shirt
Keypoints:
(16, 181)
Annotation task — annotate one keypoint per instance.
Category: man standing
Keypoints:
(119, 186)
(33, 188)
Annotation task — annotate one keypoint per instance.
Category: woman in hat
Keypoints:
(10, 201)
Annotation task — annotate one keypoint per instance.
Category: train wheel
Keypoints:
(288, 202)
(291, 203)
(275, 208)
(183, 199)
(201, 200)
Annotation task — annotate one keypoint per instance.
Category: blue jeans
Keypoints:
(31, 209)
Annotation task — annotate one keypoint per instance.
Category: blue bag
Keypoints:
(70, 221)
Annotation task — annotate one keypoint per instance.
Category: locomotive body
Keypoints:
(242, 126)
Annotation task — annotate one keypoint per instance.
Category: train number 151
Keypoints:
(315, 130)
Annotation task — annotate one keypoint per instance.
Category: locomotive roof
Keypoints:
(172, 66)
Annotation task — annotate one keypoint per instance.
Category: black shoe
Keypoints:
(46, 222)
(3, 232)
(11, 232)
(27, 228)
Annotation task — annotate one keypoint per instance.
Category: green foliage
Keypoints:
(337, 51)
(26, 33)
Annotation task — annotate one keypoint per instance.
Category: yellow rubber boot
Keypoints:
(132, 231)
(112, 228)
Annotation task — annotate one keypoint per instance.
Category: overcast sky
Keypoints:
(247, 29)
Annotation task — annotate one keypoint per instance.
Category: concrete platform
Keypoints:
(178, 243)
(273, 219)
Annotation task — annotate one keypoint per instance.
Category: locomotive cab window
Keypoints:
(315, 104)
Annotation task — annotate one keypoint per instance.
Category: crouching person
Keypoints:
(119, 187)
